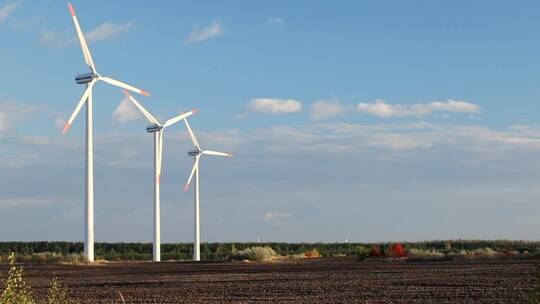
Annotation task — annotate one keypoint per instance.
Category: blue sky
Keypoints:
(366, 120)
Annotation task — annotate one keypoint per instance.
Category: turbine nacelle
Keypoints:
(154, 128)
(194, 152)
(86, 78)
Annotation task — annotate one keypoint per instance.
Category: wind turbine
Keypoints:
(89, 79)
(195, 171)
(157, 128)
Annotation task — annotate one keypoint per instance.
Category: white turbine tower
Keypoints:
(89, 79)
(157, 128)
(195, 171)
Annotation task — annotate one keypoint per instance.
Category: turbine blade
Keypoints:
(215, 153)
(78, 107)
(84, 46)
(176, 119)
(195, 167)
(192, 135)
(123, 85)
(147, 114)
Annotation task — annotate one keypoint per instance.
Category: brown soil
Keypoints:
(309, 281)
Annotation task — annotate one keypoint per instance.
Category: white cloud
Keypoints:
(3, 122)
(25, 23)
(36, 140)
(322, 109)
(56, 38)
(125, 112)
(341, 139)
(107, 31)
(274, 105)
(198, 34)
(382, 109)
(23, 201)
(519, 127)
(275, 21)
(241, 115)
(60, 122)
(7, 10)
(12, 112)
(276, 215)
(454, 106)
(426, 166)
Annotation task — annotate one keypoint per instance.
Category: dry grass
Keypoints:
(425, 255)
(257, 254)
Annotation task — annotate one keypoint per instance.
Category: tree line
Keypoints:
(223, 251)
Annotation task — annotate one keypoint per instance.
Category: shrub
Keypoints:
(58, 294)
(361, 253)
(16, 291)
(447, 246)
(478, 253)
(259, 254)
(375, 252)
(485, 252)
(396, 251)
(511, 253)
(311, 254)
(465, 254)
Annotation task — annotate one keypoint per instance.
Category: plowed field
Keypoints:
(308, 281)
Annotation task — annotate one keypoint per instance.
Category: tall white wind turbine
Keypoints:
(197, 153)
(157, 128)
(89, 79)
